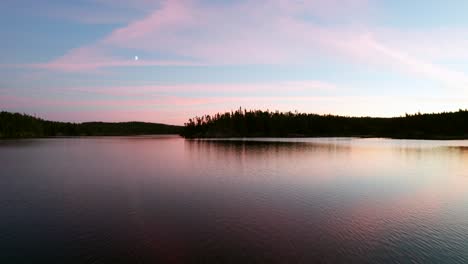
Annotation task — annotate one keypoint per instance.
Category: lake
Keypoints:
(170, 200)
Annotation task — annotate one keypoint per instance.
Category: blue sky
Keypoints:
(75, 60)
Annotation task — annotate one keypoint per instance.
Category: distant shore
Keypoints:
(253, 123)
(333, 136)
(257, 123)
(15, 125)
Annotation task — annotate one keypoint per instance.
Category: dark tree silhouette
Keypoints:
(257, 123)
(15, 125)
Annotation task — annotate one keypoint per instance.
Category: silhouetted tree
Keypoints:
(256, 123)
(15, 125)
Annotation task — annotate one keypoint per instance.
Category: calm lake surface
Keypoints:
(170, 200)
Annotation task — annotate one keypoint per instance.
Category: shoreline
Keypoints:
(440, 138)
(90, 136)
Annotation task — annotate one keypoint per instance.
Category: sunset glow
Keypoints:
(167, 61)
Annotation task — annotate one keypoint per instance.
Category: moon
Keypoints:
(136, 58)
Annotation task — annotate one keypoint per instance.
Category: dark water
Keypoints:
(170, 200)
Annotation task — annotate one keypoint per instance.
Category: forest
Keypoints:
(253, 123)
(257, 123)
(16, 125)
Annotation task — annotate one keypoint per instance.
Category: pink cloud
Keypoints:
(69, 66)
(243, 88)
(106, 103)
(368, 49)
(438, 43)
(90, 58)
(213, 35)
(172, 14)
(270, 32)
(328, 10)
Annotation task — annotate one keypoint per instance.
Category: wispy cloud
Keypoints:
(276, 32)
(292, 87)
(268, 33)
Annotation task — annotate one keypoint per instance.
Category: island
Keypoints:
(258, 123)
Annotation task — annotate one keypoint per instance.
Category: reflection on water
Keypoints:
(149, 199)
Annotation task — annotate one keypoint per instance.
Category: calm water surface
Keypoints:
(166, 199)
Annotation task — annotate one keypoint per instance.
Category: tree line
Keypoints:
(258, 123)
(16, 125)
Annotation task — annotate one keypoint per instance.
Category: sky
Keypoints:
(169, 60)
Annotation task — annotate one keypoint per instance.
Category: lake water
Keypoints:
(169, 200)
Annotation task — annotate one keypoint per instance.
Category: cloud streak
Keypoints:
(271, 32)
(212, 88)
